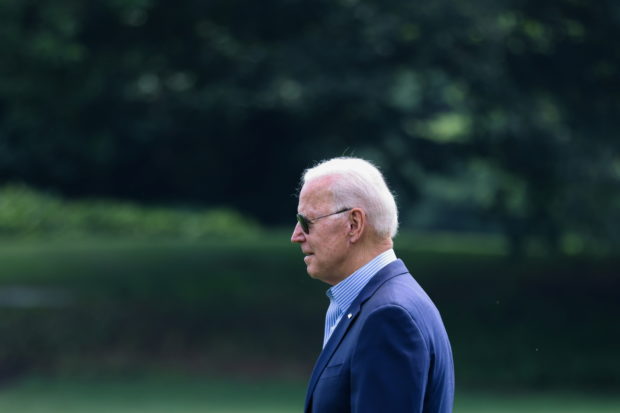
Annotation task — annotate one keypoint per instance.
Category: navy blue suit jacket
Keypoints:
(389, 354)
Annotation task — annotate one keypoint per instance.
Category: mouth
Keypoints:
(307, 256)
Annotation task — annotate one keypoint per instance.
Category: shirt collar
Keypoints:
(348, 289)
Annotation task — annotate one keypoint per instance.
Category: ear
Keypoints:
(357, 224)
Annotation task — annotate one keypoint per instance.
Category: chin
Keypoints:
(313, 273)
(320, 277)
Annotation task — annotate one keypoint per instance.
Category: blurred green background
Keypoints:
(150, 154)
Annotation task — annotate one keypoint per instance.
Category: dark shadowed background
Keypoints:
(150, 153)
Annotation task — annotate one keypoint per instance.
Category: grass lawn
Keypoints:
(119, 305)
(554, 402)
(152, 395)
(189, 395)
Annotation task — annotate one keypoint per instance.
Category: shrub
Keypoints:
(25, 212)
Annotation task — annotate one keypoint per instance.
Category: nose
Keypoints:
(298, 234)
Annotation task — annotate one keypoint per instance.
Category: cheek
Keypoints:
(329, 245)
(333, 249)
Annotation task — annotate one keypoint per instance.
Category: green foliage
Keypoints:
(488, 115)
(25, 212)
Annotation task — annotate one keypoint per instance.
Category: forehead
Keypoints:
(315, 194)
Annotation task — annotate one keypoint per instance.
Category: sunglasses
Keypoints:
(305, 222)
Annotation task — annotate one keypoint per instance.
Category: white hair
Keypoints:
(359, 184)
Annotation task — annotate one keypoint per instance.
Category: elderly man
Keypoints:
(385, 348)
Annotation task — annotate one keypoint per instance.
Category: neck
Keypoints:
(362, 254)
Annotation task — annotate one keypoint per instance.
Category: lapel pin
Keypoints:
(349, 315)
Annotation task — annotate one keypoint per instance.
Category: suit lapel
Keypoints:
(391, 270)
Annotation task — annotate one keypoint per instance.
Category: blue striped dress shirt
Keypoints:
(342, 294)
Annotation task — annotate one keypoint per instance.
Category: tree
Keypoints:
(499, 114)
